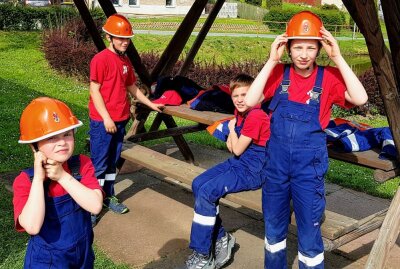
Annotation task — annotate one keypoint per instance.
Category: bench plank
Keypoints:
(334, 226)
(369, 158)
(185, 112)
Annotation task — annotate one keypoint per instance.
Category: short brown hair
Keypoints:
(240, 80)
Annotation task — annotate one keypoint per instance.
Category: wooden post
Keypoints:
(387, 235)
(391, 12)
(365, 15)
(90, 25)
(201, 36)
(178, 41)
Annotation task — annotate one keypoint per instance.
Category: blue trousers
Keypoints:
(234, 175)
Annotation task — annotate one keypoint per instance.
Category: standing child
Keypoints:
(302, 96)
(54, 199)
(111, 79)
(247, 140)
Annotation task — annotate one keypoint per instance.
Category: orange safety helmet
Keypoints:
(304, 25)
(45, 117)
(118, 26)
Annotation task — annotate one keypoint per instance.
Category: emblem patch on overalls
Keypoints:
(55, 117)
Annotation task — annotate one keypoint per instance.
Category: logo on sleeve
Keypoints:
(125, 69)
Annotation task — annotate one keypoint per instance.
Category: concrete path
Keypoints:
(155, 233)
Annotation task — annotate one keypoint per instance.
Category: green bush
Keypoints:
(276, 18)
(29, 18)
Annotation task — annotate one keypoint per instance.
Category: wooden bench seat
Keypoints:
(383, 169)
(336, 229)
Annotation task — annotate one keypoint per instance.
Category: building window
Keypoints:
(170, 3)
(133, 2)
(115, 2)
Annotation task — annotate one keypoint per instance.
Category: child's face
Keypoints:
(237, 96)
(120, 44)
(59, 147)
(304, 52)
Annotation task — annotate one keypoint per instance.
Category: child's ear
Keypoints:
(34, 147)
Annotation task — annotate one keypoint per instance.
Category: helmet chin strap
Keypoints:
(120, 53)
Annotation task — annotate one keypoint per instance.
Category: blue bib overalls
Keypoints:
(295, 171)
(66, 237)
(238, 173)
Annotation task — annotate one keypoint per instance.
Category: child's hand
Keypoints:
(231, 125)
(278, 47)
(229, 144)
(39, 161)
(329, 43)
(157, 107)
(54, 170)
(109, 125)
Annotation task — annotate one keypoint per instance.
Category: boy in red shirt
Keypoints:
(301, 95)
(54, 199)
(112, 78)
(247, 140)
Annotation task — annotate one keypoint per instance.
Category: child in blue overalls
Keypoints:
(249, 132)
(302, 96)
(53, 199)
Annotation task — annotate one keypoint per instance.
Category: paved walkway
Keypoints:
(155, 233)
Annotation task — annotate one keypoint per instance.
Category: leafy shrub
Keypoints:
(375, 102)
(70, 48)
(27, 18)
(276, 19)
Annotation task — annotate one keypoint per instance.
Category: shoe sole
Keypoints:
(231, 245)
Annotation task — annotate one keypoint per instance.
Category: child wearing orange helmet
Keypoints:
(301, 96)
(54, 199)
(111, 79)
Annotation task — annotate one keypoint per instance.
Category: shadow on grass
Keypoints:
(13, 243)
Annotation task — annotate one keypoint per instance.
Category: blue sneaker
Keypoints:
(114, 205)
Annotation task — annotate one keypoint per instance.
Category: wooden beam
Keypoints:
(391, 12)
(387, 235)
(131, 52)
(90, 25)
(200, 38)
(365, 15)
(175, 47)
(166, 133)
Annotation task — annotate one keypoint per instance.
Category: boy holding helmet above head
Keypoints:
(301, 95)
(111, 79)
(54, 199)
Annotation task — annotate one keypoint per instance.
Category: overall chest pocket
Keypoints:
(298, 112)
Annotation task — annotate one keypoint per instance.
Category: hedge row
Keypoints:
(27, 18)
(331, 18)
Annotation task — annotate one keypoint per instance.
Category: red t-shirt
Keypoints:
(114, 73)
(333, 89)
(256, 126)
(22, 186)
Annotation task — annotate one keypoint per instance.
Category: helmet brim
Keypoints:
(305, 37)
(51, 134)
(120, 36)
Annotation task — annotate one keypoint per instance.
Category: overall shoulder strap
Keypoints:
(317, 89)
(74, 165)
(281, 91)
